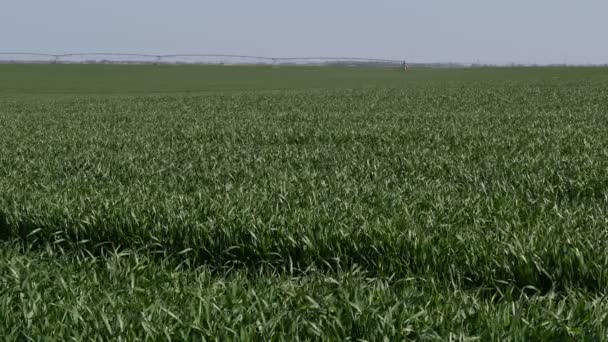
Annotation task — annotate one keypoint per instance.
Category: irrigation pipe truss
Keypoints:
(160, 58)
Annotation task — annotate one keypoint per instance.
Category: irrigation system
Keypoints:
(229, 59)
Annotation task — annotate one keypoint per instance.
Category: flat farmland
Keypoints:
(180, 202)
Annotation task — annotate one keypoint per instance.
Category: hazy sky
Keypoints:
(530, 31)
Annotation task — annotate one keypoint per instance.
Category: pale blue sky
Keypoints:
(528, 31)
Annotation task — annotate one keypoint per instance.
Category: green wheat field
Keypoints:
(314, 203)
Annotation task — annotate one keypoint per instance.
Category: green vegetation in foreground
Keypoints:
(434, 204)
(130, 296)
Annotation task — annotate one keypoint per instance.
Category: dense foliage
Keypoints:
(458, 206)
